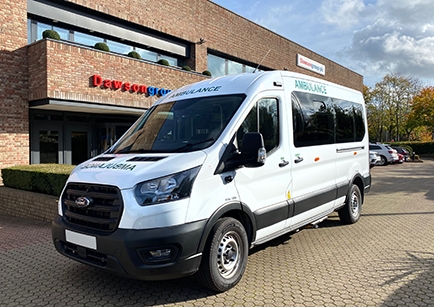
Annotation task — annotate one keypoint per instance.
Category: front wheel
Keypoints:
(225, 256)
(351, 212)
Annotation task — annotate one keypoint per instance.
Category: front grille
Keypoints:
(104, 211)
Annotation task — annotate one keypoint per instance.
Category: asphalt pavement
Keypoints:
(386, 259)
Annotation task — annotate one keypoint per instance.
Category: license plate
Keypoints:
(80, 239)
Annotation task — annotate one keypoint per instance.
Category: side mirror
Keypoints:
(253, 153)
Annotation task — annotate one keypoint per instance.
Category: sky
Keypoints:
(371, 37)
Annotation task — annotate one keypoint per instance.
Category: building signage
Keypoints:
(311, 65)
(98, 81)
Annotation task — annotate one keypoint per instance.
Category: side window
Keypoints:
(349, 121)
(313, 119)
(319, 120)
(359, 123)
(263, 118)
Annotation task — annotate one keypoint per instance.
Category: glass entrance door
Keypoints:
(47, 145)
(77, 144)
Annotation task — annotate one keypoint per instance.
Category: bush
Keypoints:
(102, 46)
(50, 34)
(41, 178)
(163, 62)
(207, 73)
(186, 67)
(423, 148)
(134, 54)
(420, 148)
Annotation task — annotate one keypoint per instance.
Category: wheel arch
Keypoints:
(358, 180)
(236, 210)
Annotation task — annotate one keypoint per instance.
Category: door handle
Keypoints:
(283, 163)
(298, 160)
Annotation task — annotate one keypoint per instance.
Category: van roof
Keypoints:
(237, 84)
(231, 84)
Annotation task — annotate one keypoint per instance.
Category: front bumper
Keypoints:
(126, 251)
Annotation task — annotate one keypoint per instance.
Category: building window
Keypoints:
(234, 68)
(172, 61)
(147, 54)
(40, 28)
(119, 47)
(49, 146)
(216, 65)
(219, 66)
(35, 29)
(86, 39)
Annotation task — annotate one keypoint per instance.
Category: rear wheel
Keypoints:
(351, 212)
(225, 256)
(383, 160)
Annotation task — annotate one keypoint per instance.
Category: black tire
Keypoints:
(225, 256)
(383, 161)
(351, 212)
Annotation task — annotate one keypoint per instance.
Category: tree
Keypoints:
(422, 113)
(388, 107)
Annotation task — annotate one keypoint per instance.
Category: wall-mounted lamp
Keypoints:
(201, 41)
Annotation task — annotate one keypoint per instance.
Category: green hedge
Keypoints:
(102, 46)
(41, 178)
(135, 55)
(50, 34)
(420, 148)
(163, 62)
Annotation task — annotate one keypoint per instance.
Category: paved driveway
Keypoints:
(386, 259)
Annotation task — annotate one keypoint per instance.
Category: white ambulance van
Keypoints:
(213, 169)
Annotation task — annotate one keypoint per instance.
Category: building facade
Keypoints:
(63, 101)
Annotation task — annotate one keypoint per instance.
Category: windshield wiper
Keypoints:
(188, 145)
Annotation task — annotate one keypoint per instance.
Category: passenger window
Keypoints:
(320, 120)
(349, 121)
(263, 118)
(313, 120)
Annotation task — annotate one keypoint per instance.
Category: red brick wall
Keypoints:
(62, 71)
(14, 129)
(28, 204)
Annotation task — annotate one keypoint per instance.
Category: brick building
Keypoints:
(63, 101)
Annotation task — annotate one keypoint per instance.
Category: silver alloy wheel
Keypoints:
(228, 257)
(354, 205)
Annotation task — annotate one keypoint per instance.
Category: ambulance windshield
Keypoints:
(180, 126)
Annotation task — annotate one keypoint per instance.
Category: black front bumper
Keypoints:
(126, 251)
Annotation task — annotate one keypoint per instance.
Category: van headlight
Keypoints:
(169, 188)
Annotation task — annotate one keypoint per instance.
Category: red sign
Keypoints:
(98, 81)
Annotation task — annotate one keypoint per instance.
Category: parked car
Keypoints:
(386, 153)
(397, 157)
(374, 159)
(402, 151)
(400, 158)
